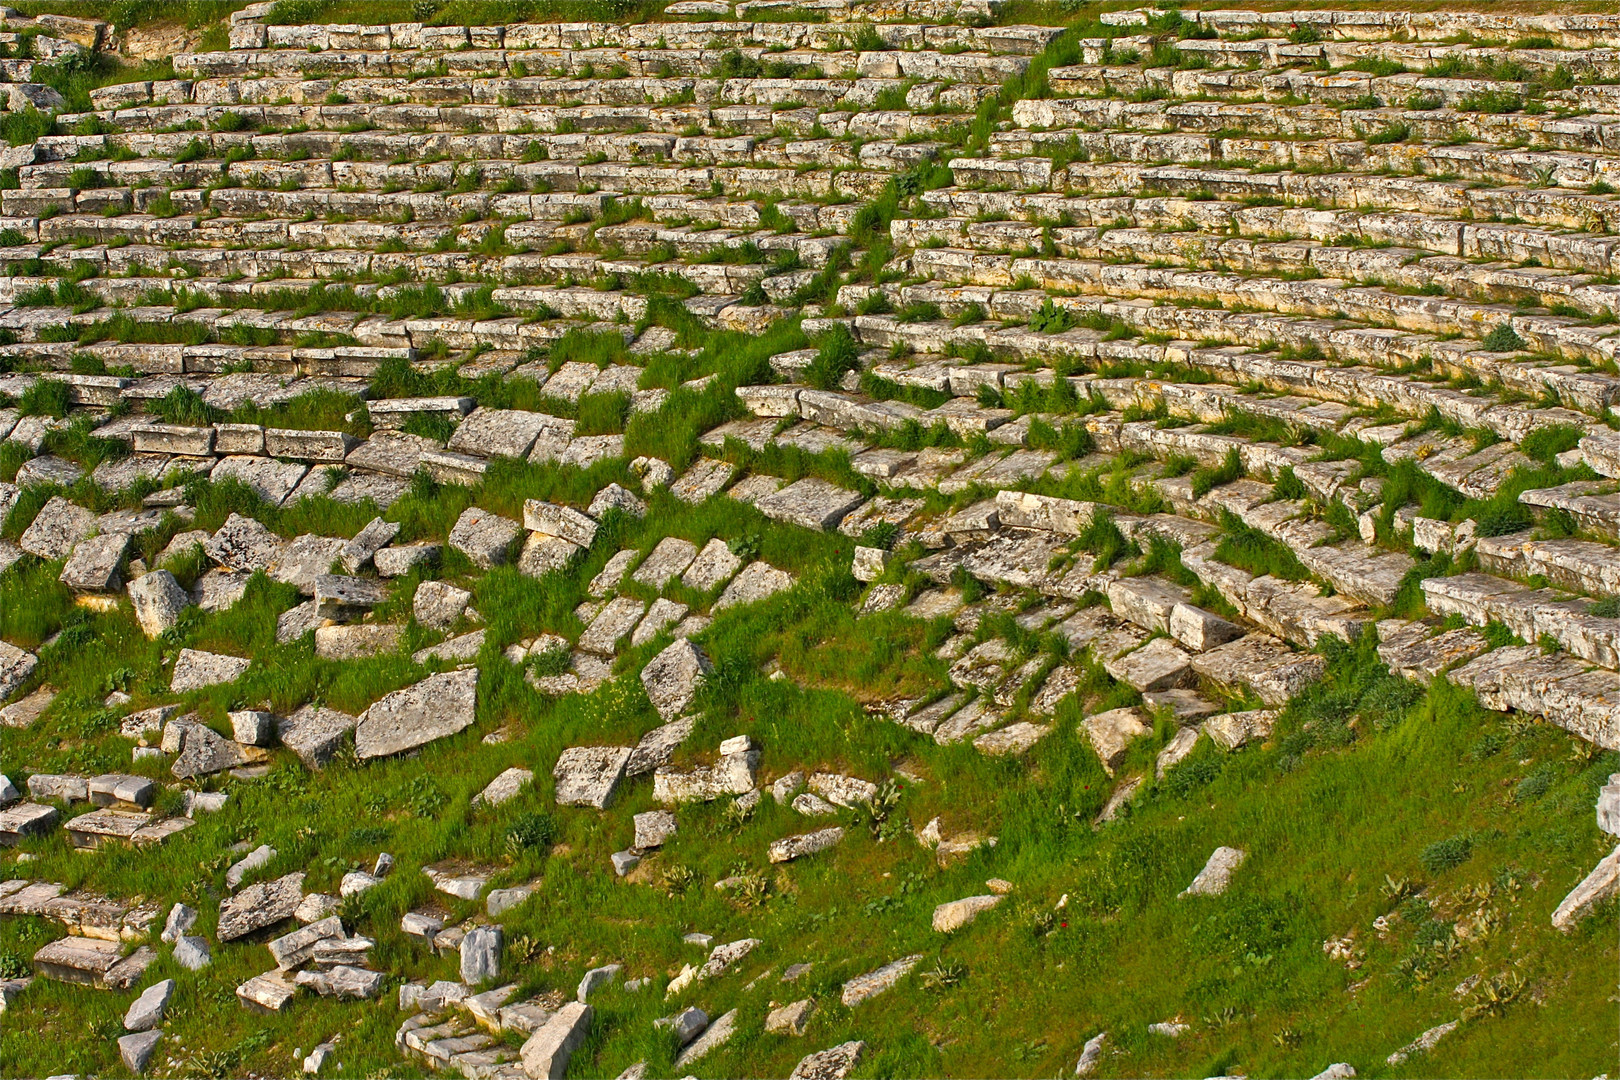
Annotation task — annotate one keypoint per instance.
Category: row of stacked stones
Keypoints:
(1113, 283)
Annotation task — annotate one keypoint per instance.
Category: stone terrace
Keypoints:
(1244, 334)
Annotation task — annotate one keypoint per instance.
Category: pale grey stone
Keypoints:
(438, 605)
(955, 914)
(192, 953)
(714, 1036)
(1216, 875)
(797, 847)
(358, 641)
(550, 519)
(865, 987)
(668, 559)
(834, 1063)
(57, 529)
(663, 614)
(483, 537)
(194, 670)
(399, 561)
(546, 1054)
(146, 1011)
(259, 906)
(361, 550)
(757, 581)
(253, 860)
(811, 503)
(137, 1050)
(791, 1019)
(1602, 884)
(673, 677)
(302, 562)
(158, 600)
(616, 621)
(654, 829)
(438, 706)
(1090, 1054)
(315, 733)
(95, 562)
(596, 978)
(204, 751)
(291, 950)
(590, 775)
(481, 954)
(244, 545)
(657, 747)
(1111, 732)
(687, 1024)
(181, 918)
(504, 787)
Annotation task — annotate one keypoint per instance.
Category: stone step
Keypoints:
(1530, 613)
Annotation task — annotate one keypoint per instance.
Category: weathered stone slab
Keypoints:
(194, 670)
(664, 562)
(1261, 663)
(757, 581)
(590, 775)
(868, 986)
(616, 621)
(1158, 665)
(811, 503)
(259, 906)
(57, 529)
(1111, 733)
(158, 600)
(315, 733)
(243, 544)
(797, 847)
(1216, 875)
(483, 537)
(673, 677)
(439, 706)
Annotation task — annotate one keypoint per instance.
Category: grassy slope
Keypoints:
(1329, 819)
(1326, 814)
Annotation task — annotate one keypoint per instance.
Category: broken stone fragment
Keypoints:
(1601, 885)
(204, 752)
(435, 708)
(146, 1011)
(868, 986)
(797, 847)
(158, 600)
(504, 787)
(481, 955)
(714, 1036)
(483, 537)
(1216, 875)
(438, 605)
(790, 1019)
(253, 860)
(549, 519)
(546, 1053)
(259, 906)
(590, 775)
(1111, 733)
(955, 914)
(595, 979)
(136, 1050)
(654, 829)
(687, 1024)
(362, 549)
(195, 670)
(673, 677)
(834, 1063)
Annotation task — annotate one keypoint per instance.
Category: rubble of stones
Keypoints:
(1114, 283)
